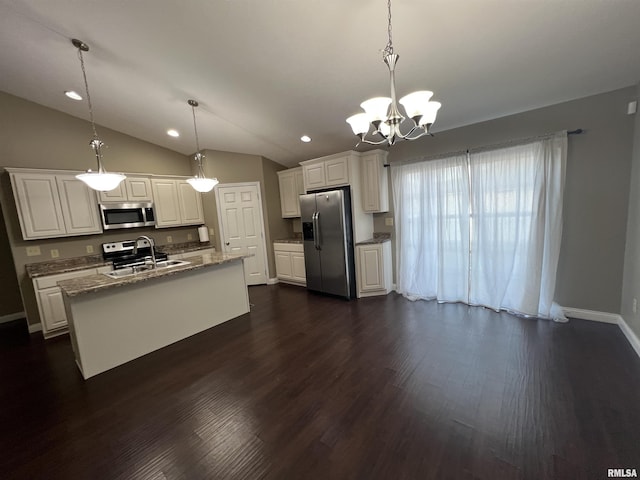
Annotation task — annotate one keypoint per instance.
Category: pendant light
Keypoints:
(383, 114)
(200, 183)
(100, 180)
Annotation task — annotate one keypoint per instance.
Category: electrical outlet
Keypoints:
(55, 253)
(211, 232)
(33, 251)
(189, 236)
(169, 239)
(635, 305)
(89, 248)
(388, 221)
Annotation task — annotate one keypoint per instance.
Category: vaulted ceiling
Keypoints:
(268, 71)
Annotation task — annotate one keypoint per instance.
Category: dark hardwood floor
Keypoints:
(308, 387)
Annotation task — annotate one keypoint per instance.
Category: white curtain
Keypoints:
(432, 229)
(483, 229)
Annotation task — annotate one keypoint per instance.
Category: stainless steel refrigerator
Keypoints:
(328, 242)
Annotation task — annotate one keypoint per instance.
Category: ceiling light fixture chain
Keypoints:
(194, 104)
(100, 180)
(83, 47)
(388, 50)
(383, 114)
(200, 182)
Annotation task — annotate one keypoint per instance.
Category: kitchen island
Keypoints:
(113, 321)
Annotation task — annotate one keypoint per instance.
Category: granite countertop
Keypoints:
(52, 267)
(175, 248)
(377, 238)
(100, 282)
(65, 265)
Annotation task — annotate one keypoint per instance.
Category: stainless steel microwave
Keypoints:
(127, 215)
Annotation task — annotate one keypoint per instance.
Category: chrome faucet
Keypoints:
(151, 244)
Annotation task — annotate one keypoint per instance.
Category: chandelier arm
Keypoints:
(422, 134)
(364, 140)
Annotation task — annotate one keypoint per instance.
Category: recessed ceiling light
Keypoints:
(173, 133)
(305, 138)
(73, 95)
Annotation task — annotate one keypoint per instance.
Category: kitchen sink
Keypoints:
(147, 267)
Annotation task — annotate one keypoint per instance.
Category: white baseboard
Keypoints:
(630, 334)
(35, 328)
(605, 317)
(272, 281)
(11, 317)
(592, 315)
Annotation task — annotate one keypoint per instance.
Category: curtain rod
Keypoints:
(577, 131)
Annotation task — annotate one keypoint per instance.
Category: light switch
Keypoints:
(169, 239)
(55, 253)
(33, 251)
(89, 248)
(388, 221)
(211, 232)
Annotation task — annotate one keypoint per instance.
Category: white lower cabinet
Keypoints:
(290, 263)
(373, 269)
(53, 316)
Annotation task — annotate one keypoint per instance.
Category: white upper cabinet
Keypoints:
(51, 205)
(337, 171)
(375, 182)
(314, 176)
(291, 187)
(132, 189)
(79, 206)
(167, 206)
(330, 171)
(176, 203)
(190, 201)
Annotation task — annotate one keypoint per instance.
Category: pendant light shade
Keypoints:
(203, 185)
(100, 180)
(200, 182)
(103, 182)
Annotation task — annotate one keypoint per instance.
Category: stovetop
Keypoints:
(121, 253)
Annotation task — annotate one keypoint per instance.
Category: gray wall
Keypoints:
(10, 301)
(596, 192)
(230, 167)
(631, 282)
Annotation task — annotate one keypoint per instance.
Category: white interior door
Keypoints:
(242, 227)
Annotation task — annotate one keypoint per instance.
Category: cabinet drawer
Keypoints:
(52, 280)
(288, 247)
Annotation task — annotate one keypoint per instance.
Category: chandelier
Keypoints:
(200, 183)
(383, 115)
(100, 180)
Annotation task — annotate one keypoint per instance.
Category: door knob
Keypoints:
(227, 244)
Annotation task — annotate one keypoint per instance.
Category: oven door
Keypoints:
(126, 215)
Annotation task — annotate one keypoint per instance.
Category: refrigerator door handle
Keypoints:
(316, 230)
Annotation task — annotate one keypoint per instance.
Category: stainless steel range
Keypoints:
(123, 254)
